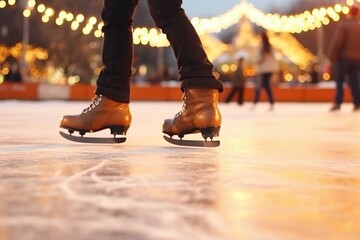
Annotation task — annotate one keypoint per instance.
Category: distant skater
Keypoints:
(238, 83)
(266, 66)
(345, 56)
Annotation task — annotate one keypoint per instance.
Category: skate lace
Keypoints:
(183, 107)
(94, 102)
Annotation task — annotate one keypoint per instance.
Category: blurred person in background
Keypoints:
(345, 57)
(14, 74)
(266, 66)
(238, 83)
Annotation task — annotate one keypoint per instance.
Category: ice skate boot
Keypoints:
(200, 113)
(101, 114)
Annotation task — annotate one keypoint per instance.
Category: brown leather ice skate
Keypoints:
(200, 113)
(102, 113)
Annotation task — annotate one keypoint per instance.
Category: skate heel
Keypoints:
(210, 132)
(119, 130)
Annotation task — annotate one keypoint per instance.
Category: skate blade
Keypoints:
(92, 139)
(192, 143)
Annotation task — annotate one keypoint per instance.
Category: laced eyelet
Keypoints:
(95, 102)
(182, 109)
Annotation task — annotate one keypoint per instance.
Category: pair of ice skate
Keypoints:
(200, 114)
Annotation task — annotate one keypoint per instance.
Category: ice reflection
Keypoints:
(291, 174)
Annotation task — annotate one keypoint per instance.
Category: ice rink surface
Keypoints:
(293, 173)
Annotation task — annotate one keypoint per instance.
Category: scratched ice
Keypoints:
(293, 173)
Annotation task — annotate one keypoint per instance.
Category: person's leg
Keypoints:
(117, 53)
(340, 74)
(357, 67)
(195, 69)
(267, 87)
(230, 95)
(110, 106)
(240, 95)
(257, 88)
(354, 86)
(201, 89)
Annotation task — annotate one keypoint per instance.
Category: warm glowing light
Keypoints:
(75, 25)
(326, 76)
(59, 21)
(31, 3)
(302, 79)
(345, 10)
(2, 4)
(16, 52)
(26, 13)
(62, 14)
(41, 8)
(303, 22)
(98, 33)
(92, 20)
(143, 70)
(100, 25)
(5, 71)
(233, 67)
(225, 68)
(87, 30)
(45, 18)
(69, 17)
(80, 18)
(350, 2)
(73, 80)
(288, 77)
(250, 72)
(49, 12)
(11, 2)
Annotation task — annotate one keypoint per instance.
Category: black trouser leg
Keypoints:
(195, 69)
(117, 53)
(267, 86)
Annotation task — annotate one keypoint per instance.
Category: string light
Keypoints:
(31, 55)
(302, 22)
(2, 4)
(280, 27)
